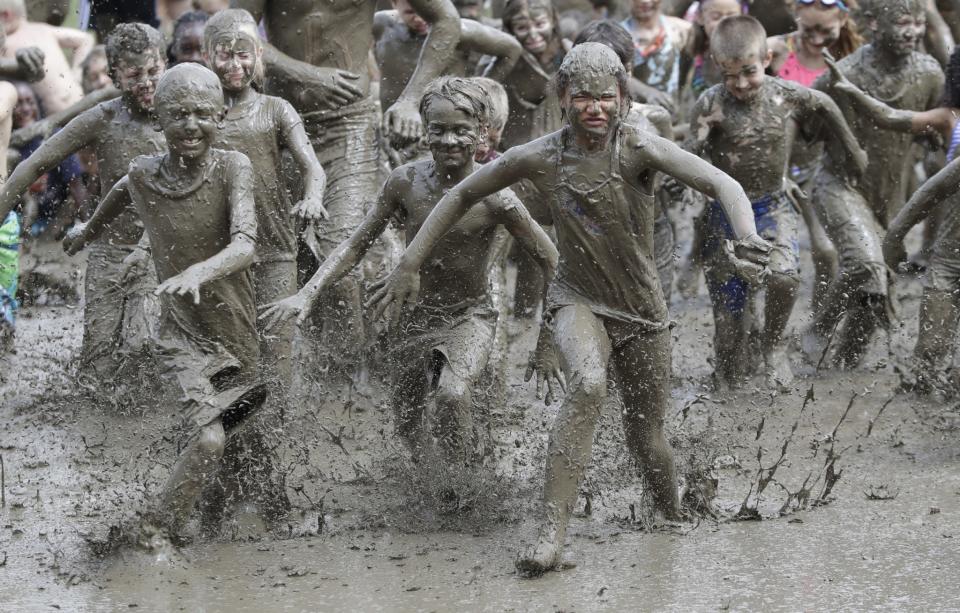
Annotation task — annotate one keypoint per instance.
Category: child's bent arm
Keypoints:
(114, 203)
(531, 236)
(77, 134)
(489, 41)
(925, 199)
(837, 129)
(78, 41)
(44, 127)
(315, 179)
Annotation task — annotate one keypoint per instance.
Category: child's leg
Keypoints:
(410, 386)
(688, 275)
(939, 312)
(779, 226)
(643, 374)
(585, 349)
(823, 253)
(195, 466)
(729, 296)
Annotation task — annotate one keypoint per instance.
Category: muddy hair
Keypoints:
(737, 36)
(849, 39)
(610, 33)
(515, 7)
(464, 94)
(132, 39)
(229, 21)
(596, 58)
(498, 103)
(186, 75)
(951, 88)
(188, 18)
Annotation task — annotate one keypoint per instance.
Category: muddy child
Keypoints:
(198, 209)
(443, 345)
(742, 127)
(118, 311)
(605, 312)
(854, 215)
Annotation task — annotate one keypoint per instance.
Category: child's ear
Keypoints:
(767, 59)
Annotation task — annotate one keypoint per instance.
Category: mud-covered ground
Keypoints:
(369, 535)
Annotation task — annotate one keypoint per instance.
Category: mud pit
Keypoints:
(368, 535)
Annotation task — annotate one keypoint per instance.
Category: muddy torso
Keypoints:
(603, 218)
(189, 225)
(122, 139)
(256, 128)
(456, 270)
(916, 87)
(331, 33)
(534, 106)
(747, 140)
(397, 52)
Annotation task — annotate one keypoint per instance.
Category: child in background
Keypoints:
(498, 109)
(186, 44)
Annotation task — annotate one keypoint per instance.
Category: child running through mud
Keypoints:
(198, 209)
(604, 308)
(742, 127)
(118, 311)
(442, 347)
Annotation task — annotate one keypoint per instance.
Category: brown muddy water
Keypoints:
(367, 535)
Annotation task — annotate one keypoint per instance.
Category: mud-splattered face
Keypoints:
(714, 11)
(414, 22)
(469, 9)
(743, 76)
(592, 103)
(533, 28)
(27, 109)
(452, 134)
(645, 9)
(136, 77)
(819, 28)
(95, 74)
(188, 46)
(189, 119)
(234, 57)
(899, 28)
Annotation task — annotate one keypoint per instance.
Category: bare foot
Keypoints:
(542, 558)
(778, 372)
(812, 344)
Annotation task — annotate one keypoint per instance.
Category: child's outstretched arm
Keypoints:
(315, 179)
(45, 127)
(78, 41)
(344, 258)
(483, 39)
(239, 252)
(837, 130)
(77, 134)
(114, 203)
(937, 189)
(402, 285)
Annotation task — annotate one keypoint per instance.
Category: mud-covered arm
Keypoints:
(78, 41)
(403, 118)
(819, 106)
(45, 127)
(114, 203)
(77, 134)
(315, 179)
(657, 153)
(517, 220)
(489, 41)
(26, 65)
(937, 189)
(938, 39)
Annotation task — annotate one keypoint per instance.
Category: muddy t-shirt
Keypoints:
(256, 128)
(188, 225)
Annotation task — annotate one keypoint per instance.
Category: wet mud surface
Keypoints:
(369, 532)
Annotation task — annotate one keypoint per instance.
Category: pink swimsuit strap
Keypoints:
(793, 70)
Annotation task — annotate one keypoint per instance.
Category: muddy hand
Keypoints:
(134, 264)
(837, 78)
(545, 363)
(750, 256)
(402, 122)
(30, 61)
(893, 251)
(181, 285)
(311, 208)
(73, 241)
(280, 311)
(400, 288)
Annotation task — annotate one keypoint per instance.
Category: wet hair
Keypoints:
(592, 57)
(735, 37)
(951, 87)
(132, 39)
(229, 21)
(498, 104)
(611, 34)
(849, 39)
(190, 76)
(700, 42)
(464, 94)
(875, 9)
(187, 19)
(512, 8)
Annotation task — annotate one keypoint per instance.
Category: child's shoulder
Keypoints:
(711, 96)
(925, 63)
(404, 175)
